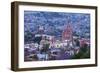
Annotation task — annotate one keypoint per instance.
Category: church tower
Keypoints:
(40, 30)
(67, 33)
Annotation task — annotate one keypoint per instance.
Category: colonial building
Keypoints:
(40, 30)
(67, 33)
(67, 36)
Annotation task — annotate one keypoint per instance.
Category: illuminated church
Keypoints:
(67, 33)
(67, 36)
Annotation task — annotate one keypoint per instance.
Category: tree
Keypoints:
(83, 53)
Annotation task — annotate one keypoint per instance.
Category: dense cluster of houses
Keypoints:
(51, 48)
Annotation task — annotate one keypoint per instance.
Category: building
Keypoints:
(40, 30)
(67, 33)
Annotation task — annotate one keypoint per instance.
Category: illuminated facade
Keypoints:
(67, 33)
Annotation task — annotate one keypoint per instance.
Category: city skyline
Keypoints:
(56, 35)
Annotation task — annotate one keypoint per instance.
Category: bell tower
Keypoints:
(67, 33)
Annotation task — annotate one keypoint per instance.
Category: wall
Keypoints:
(5, 40)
